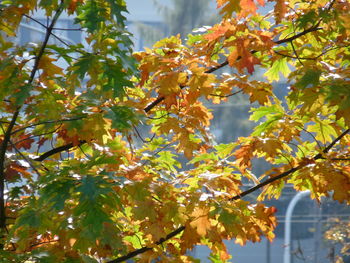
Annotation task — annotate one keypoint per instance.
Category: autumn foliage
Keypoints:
(79, 182)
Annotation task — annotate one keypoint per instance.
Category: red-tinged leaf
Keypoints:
(218, 32)
(248, 6)
(220, 3)
(171, 100)
(73, 5)
(11, 174)
(232, 58)
(24, 141)
(15, 171)
(242, 7)
(241, 57)
(280, 10)
(41, 141)
(189, 238)
(244, 156)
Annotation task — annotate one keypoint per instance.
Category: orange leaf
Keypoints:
(49, 69)
(24, 141)
(280, 10)
(245, 154)
(201, 221)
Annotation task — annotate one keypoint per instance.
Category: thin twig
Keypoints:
(211, 70)
(46, 27)
(7, 136)
(237, 197)
(57, 150)
(141, 138)
(38, 135)
(46, 40)
(68, 29)
(25, 158)
(46, 122)
(295, 52)
(226, 96)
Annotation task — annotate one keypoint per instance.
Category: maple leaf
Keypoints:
(156, 231)
(201, 221)
(280, 10)
(103, 189)
(241, 57)
(242, 7)
(48, 67)
(25, 141)
(11, 173)
(244, 155)
(73, 5)
(189, 238)
(269, 146)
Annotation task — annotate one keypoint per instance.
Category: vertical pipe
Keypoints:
(268, 251)
(287, 225)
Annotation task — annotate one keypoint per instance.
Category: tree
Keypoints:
(338, 233)
(74, 187)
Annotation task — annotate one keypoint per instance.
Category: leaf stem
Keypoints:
(225, 63)
(237, 197)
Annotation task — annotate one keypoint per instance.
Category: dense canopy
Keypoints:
(79, 181)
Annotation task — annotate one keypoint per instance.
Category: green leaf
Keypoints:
(280, 66)
(122, 117)
(57, 192)
(264, 126)
(263, 111)
(90, 16)
(134, 240)
(63, 52)
(323, 130)
(311, 77)
(92, 187)
(88, 259)
(215, 258)
(116, 78)
(22, 94)
(308, 18)
(83, 64)
(30, 217)
(203, 157)
(92, 220)
(167, 160)
(117, 7)
(223, 150)
(227, 218)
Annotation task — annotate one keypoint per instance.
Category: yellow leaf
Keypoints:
(49, 69)
(201, 221)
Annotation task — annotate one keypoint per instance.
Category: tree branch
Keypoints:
(144, 249)
(25, 158)
(46, 40)
(3, 148)
(225, 63)
(7, 135)
(46, 122)
(57, 150)
(237, 197)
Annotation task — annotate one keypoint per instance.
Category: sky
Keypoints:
(143, 10)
